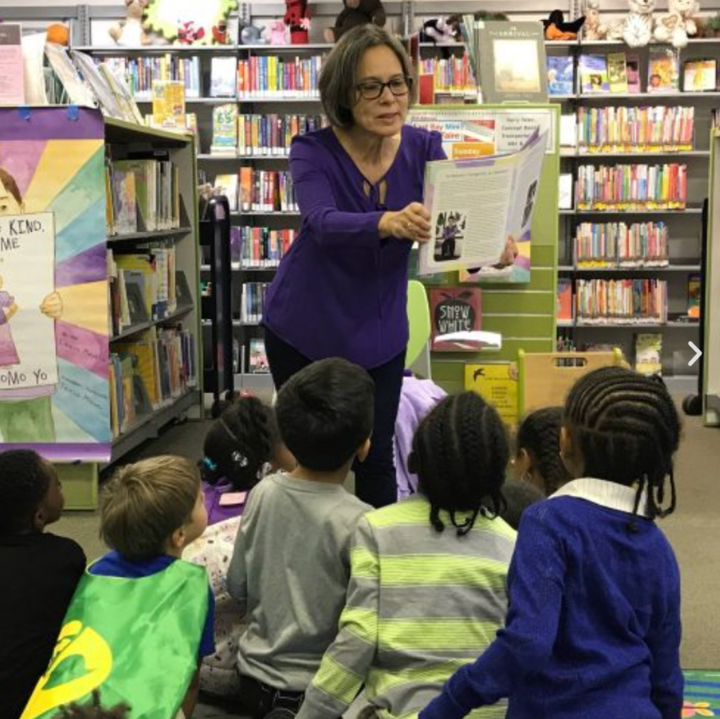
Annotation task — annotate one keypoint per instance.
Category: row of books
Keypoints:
(452, 74)
(615, 244)
(252, 190)
(636, 129)
(143, 287)
(273, 76)
(622, 301)
(143, 195)
(252, 302)
(149, 373)
(632, 187)
(259, 246)
(254, 134)
(140, 73)
(618, 73)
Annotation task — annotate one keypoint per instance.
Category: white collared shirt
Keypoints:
(604, 493)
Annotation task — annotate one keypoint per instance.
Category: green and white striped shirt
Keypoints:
(420, 604)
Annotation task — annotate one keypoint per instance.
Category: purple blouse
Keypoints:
(341, 291)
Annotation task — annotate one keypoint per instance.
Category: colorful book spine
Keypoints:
(279, 77)
(615, 244)
(451, 74)
(623, 301)
(632, 187)
(636, 129)
(252, 302)
(259, 247)
(140, 73)
(266, 191)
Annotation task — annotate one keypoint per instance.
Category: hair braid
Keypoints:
(460, 454)
(627, 430)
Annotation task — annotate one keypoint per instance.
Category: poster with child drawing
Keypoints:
(28, 358)
(54, 392)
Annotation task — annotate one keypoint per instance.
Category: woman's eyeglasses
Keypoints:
(371, 90)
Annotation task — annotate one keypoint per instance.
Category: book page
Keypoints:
(478, 206)
(468, 202)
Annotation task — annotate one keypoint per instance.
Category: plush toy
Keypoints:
(593, 28)
(438, 30)
(675, 25)
(636, 29)
(58, 34)
(276, 32)
(354, 13)
(220, 32)
(297, 18)
(129, 32)
(557, 29)
(188, 34)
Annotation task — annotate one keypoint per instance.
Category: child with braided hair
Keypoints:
(537, 457)
(593, 628)
(427, 588)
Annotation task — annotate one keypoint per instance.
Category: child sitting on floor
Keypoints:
(427, 591)
(594, 623)
(140, 616)
(291, 564)
(537, 457)
(38, 574)
(240, 448)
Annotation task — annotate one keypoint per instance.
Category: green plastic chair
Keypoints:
(417, 356)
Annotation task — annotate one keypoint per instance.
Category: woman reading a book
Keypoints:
(341, 290)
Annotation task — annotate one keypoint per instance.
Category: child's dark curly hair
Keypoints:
(93, 711)
(460, 454)
(627, 429)
(239, 443)
(24, 481)
(539, 436)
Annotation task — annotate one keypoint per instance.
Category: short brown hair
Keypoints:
(338, 77)
(145, 502)
(10, 185)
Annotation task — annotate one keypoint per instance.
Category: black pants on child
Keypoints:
(259, 699)
(375, 479)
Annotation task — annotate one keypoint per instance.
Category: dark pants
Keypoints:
(375, 480)
(258, 699)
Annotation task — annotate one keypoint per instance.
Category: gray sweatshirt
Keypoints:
(289, 572)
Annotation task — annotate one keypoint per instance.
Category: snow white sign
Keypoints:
(27, 335)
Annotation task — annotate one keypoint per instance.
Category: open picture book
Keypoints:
(480, 208)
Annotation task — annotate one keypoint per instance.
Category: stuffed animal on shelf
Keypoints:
(58, 34)
(188, 34)
(593, 28)
(439, 30)
(297, 18)
(130, 32)
(557, 29)
(276, 32)
(636, 29)
(354, 13)
(678, 23)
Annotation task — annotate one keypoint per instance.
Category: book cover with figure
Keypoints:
(454, 309)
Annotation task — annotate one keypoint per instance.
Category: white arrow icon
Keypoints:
(698, 354)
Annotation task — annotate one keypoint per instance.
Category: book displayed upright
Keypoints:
(454, 310)
(593, 74)
(632, 69)
(561, 75)
(223, 78)
(648, 354)
(12, 85)
(700, 75)
(225, 130)
(512, 62)
(617, 72)
(663, 70)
